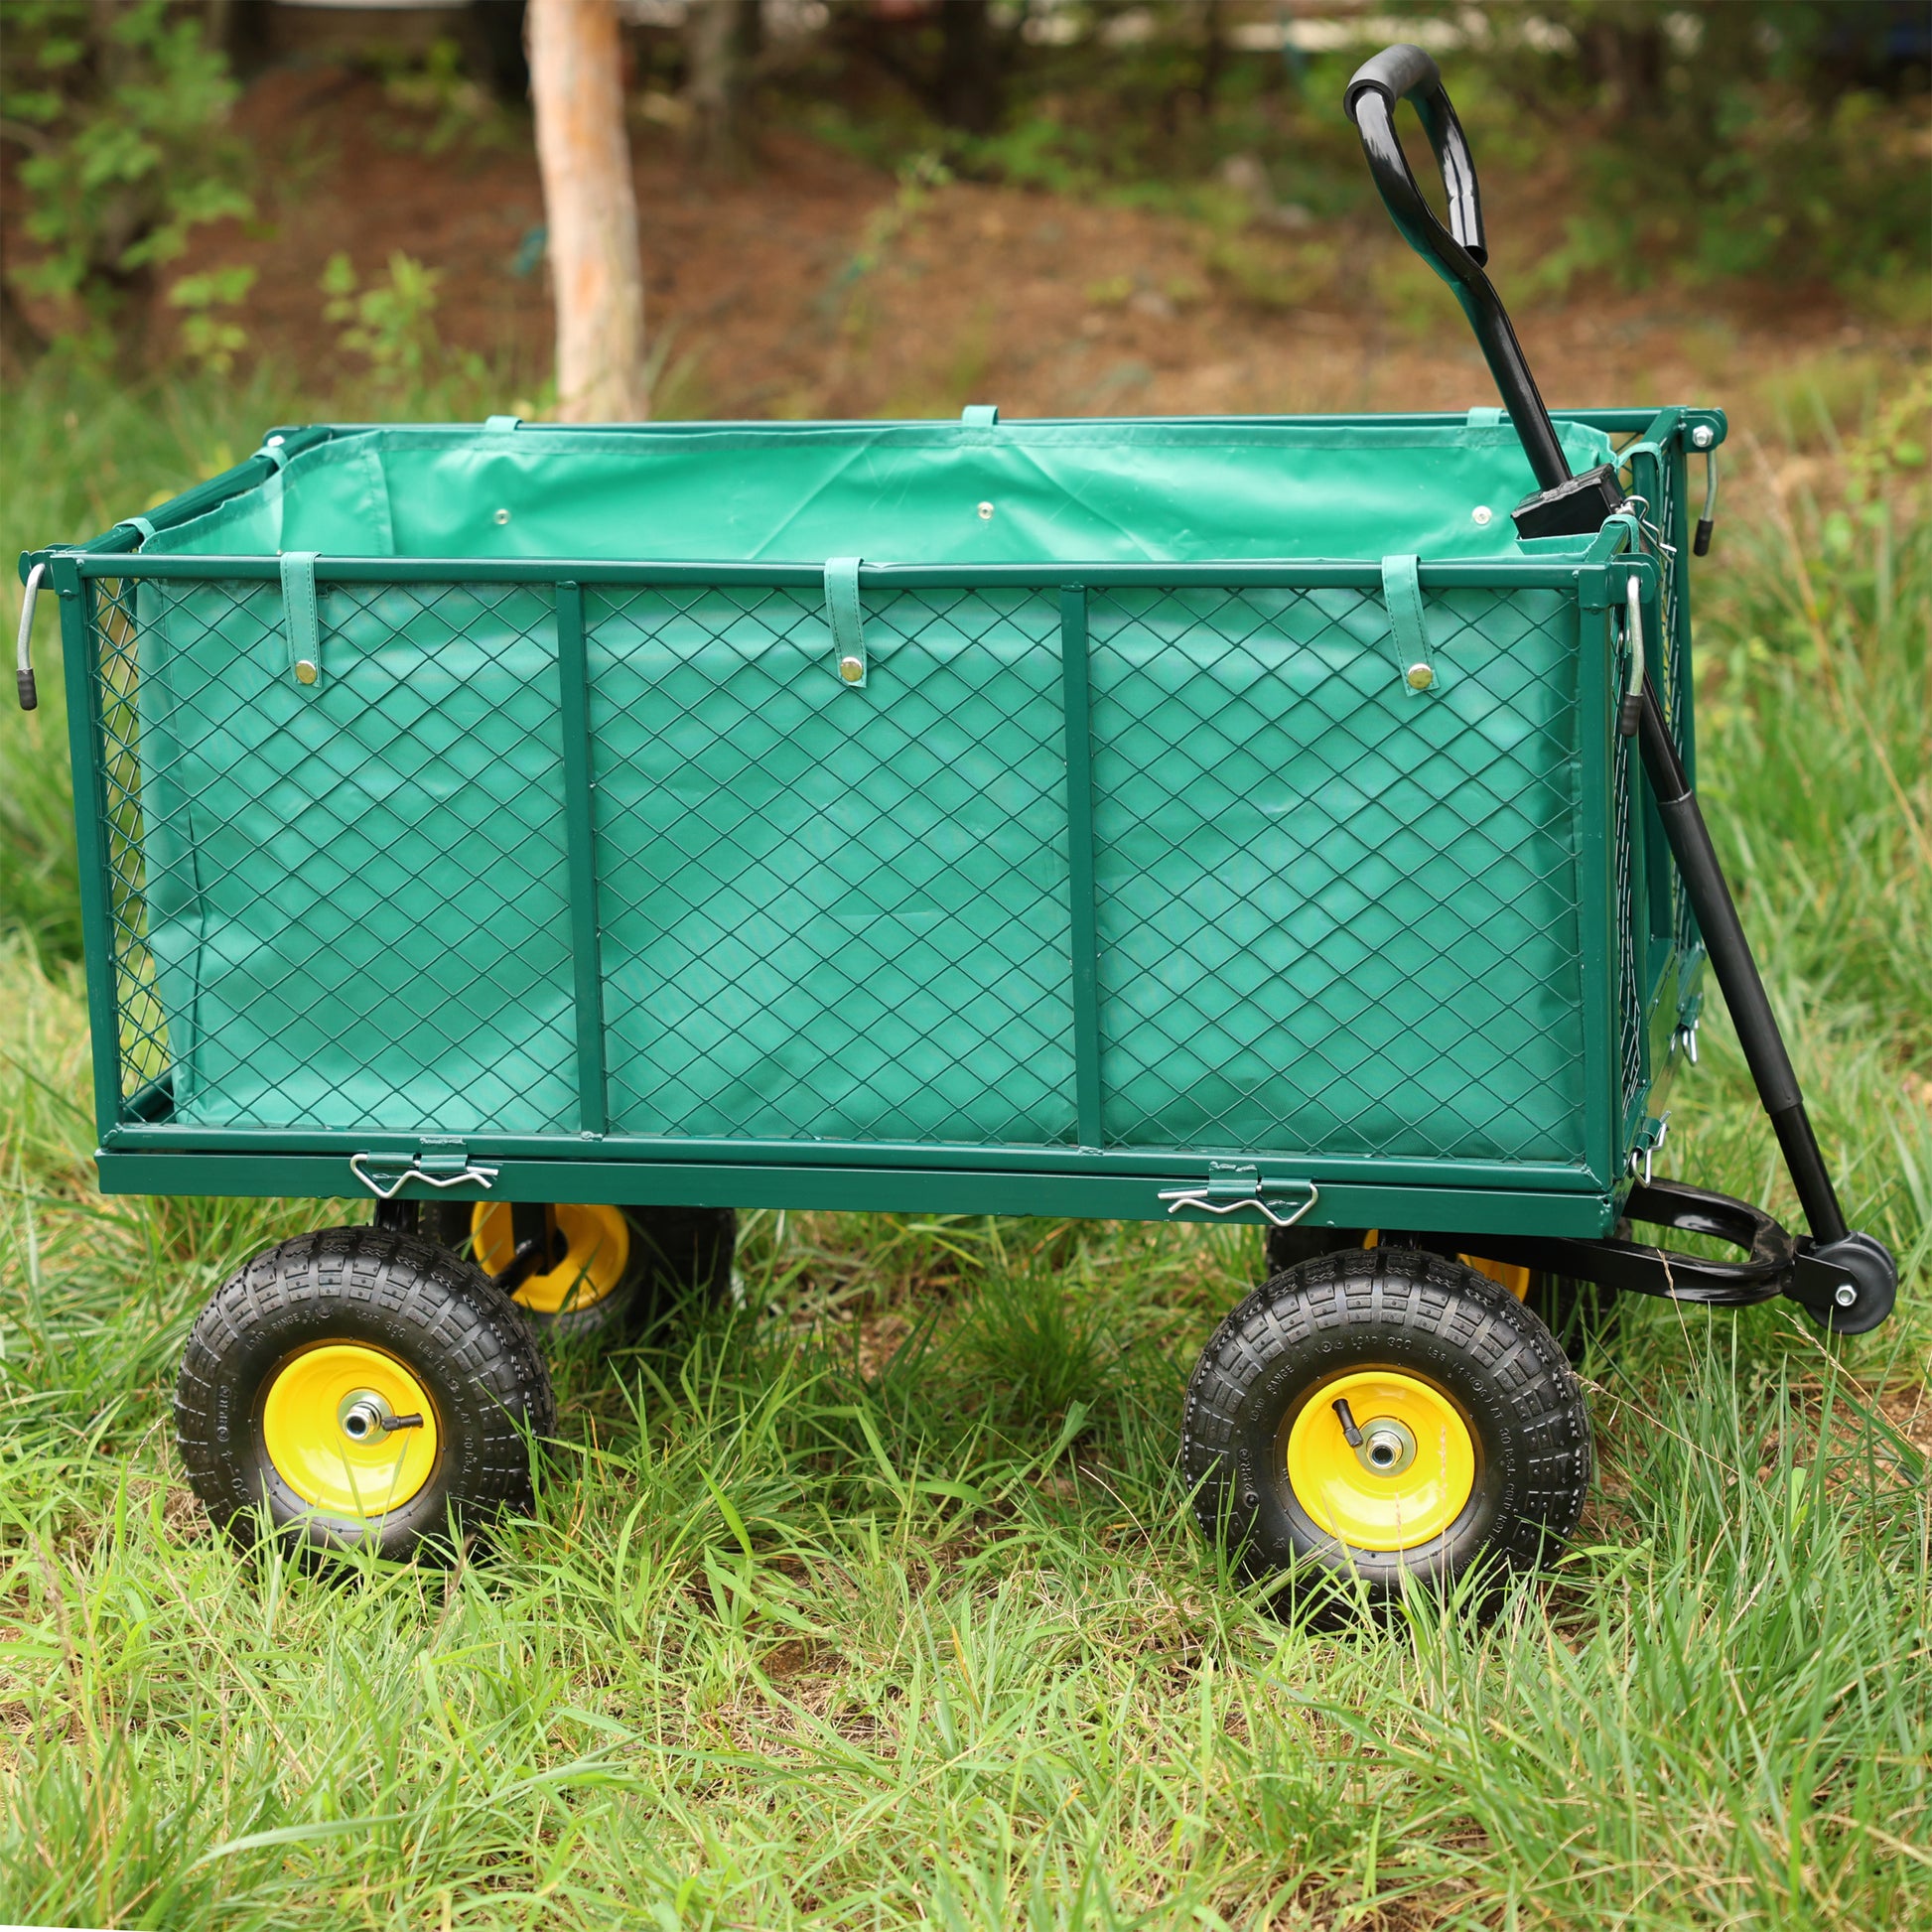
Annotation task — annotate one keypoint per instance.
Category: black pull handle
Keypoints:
(1457, 253)
(1405, 73)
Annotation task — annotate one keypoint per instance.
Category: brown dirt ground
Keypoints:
(1044, 305)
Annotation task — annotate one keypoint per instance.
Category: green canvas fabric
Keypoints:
(895, 492)
(1332, 918)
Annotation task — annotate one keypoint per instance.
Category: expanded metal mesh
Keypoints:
(338, 905)
(1333, 915)
(828, 911)
(1334, 912)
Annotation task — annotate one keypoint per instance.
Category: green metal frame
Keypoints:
(139, 1153)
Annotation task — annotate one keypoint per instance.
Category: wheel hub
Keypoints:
(1397, 1479)
(362, 1415)
(597, 1254)
(349, 1429)
(1388, 1446)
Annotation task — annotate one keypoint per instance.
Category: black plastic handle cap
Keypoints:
(1394, 73)
(30, 697)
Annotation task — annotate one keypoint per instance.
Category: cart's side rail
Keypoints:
(1167, 858)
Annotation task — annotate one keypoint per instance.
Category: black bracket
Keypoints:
(1847, 1285)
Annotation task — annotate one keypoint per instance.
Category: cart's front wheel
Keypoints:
(1390, 1415)
(367, 1388)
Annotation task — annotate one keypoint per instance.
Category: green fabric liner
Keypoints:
(1401, 595)
(842, 613)
(1328, 919)
(299, 608)
(1139, 491)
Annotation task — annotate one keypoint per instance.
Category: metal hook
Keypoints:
(29, 696)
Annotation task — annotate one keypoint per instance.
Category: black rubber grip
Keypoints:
(30, 697)
(1395, 71)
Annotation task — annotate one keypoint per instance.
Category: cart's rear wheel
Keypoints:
(611, 1266)
(683, 1253)
(366, 1386)
(1386, 1414)
(1580, 1314)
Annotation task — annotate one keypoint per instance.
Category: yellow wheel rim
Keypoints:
(594, 1263)
(322, 1426)
(1407, 1481)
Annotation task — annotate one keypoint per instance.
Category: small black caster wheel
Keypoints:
(368, 1387)
(1389, 1416)
(589, 1271)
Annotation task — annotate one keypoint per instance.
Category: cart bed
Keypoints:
(1133, 849)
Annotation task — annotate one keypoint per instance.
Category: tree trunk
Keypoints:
(972, 77)
(720, 39)
(591, 207)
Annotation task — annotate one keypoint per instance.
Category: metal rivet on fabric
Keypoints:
(1421, 677)
(851, 669)
(1482, 513)
(986, 512)
(305, 672)
(503, 516)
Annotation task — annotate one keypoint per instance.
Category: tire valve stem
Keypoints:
(1347, 1419)
(401, 1421)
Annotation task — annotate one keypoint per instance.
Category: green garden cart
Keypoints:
(558, 839)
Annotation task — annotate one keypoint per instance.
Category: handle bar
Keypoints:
(1403, 72)
(1457, 254)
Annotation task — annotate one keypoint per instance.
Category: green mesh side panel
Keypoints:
(829, 911)
(343, 907)
(1334, 916)
(1334, 913)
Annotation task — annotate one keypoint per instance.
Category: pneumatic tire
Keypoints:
(672, 1255)
(302, 1375)
(1434, 1363)
(682, 1254)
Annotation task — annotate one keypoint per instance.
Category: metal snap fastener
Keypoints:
(503, 516)
(305, 672)
(1421, 677)
(986, 512)
(851, 669)
(1481, 513)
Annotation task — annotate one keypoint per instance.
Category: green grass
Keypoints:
(875, 1603)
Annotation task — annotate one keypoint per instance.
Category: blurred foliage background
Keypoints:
(1691, 143)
